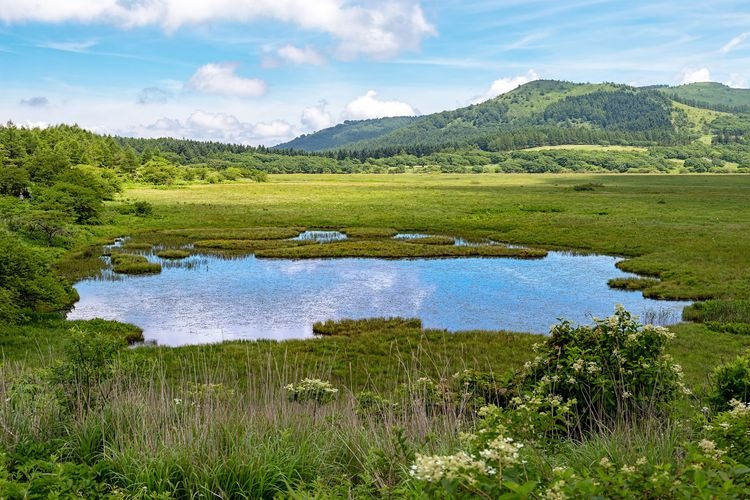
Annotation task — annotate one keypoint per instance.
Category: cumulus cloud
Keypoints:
(369, 106)
(736, 81)
(35, 102)
(316, 118)
(220, 78)
(378, 29)
(504, 85)
(689, 75)
(153, 95)
(735, 42)
(224, 127)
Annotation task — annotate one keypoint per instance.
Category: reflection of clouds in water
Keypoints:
(277, 299)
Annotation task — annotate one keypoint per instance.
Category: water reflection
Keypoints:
(214, 299)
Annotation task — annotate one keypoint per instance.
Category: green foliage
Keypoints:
(88, 364)
(143, 208)
(730, 431)
(731, 381)
(26, 282)
(613, 371)
(157, 171)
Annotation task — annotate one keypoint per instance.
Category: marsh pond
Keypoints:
(206, 298)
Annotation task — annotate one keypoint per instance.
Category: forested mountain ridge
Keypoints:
(641, 115)
(542, 112)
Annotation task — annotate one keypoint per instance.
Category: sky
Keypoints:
(265, 71)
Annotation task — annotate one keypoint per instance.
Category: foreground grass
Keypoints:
(688, 230)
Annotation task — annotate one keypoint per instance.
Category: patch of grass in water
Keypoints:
(632, 284)
(125, 263)
(396, 249)
(173, 254)
(346, 327)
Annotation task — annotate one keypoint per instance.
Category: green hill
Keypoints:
(539, 113)
(710, 95)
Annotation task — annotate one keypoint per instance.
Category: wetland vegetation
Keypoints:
(382, 406)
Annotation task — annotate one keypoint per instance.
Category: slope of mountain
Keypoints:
(711, 95)
(348, 132)
(541, 108)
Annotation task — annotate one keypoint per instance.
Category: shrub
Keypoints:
(312, 389)
(142, 208)
(88, 364)
(613, 371)
(731, 382)
(730, 431)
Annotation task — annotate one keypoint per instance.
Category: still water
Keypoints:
(211, 299)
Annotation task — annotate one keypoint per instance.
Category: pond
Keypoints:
(211, 299)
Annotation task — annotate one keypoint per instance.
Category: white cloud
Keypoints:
(224, 127)
(689, 75)
(220, 78)
(504, 85)
(736, 81)
(378, 29)
(369, 106)
(734, 42)
(316, 118)
(295, 55)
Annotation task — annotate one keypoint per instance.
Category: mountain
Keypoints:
(536, 110)
(542, 112)
(710, 95)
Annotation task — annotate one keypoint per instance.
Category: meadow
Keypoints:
(388, 401)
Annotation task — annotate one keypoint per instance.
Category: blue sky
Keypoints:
(264, 71)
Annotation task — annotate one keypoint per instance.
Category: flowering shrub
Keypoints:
(312, 389)
(730, 431)
(614, 370)
(731, 382)
(489, 466)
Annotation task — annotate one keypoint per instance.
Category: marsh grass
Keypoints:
(358, 326)
(721, 311)
(397, 249)
(251, 233)
(250, 245)
(126, 263)
(632, 284)
(173, 254)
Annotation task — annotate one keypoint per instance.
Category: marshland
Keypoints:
(507, 287)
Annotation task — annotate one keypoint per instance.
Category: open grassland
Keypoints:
(690, 231)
